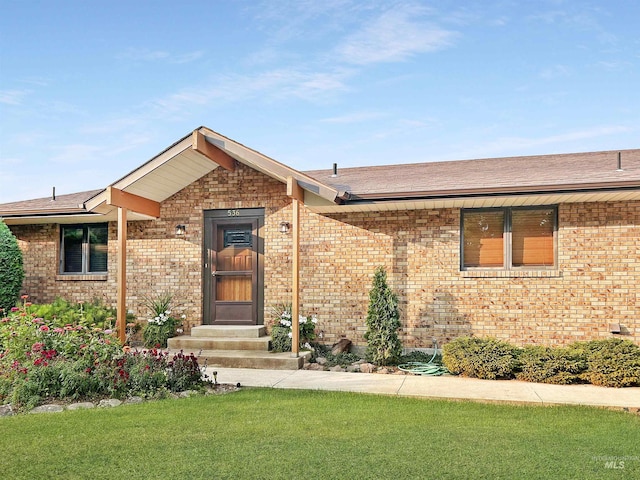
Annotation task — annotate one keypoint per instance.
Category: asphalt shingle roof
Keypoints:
(62, 203)
(514, 174)
(517, 173)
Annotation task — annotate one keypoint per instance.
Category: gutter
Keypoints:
(492, 192)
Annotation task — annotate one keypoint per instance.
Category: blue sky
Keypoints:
(90, 90)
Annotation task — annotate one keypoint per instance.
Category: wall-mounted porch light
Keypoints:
(181, 230)
(284, 227)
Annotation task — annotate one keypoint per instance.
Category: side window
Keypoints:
(509, 238)
(83, 248)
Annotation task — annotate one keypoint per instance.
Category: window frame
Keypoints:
(85, 249)
(507, 230)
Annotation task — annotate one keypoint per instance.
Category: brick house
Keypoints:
(540, 249)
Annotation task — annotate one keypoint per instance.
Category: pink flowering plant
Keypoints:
(42, 359)
(281, 331)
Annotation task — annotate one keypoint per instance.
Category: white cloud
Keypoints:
(146, 55)
(187, 57)
(143, 54)
(354, 117)
(13, 97)
(394, 36)
(555, 71)
(580, 18)
(267, 86)
(614, 65)
(521, 145)
(76, 153)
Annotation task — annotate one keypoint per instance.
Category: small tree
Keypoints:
(11, 269)
(383, 322)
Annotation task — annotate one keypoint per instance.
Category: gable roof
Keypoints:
(184, 162)
(167, 173)
(492, 182)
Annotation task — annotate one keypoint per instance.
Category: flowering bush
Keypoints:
(281, 333)
(161, 326)
(40, 359)
(159, 329)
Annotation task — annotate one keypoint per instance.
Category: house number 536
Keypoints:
(233, 213)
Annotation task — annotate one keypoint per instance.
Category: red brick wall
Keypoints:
(595, 284)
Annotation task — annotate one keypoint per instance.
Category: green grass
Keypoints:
(280, 434)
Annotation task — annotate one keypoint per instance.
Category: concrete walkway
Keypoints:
(444, 387)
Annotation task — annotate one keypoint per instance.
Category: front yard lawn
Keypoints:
(280, 434)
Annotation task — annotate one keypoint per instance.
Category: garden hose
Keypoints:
(425, 368)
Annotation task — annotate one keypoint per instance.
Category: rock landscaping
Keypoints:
(60, 406)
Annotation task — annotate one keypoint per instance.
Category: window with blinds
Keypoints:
(509, 238)
(83, 248)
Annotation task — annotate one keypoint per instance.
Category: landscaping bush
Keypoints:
(281, 338)
(161, 326)
(92, 314)
(159, 329)
(11, 269)
(39, 361)
(611, 363)
(480, 358)
(281, 333)
(343, 359)
(417, 356)
(551, 365)
(383, 321)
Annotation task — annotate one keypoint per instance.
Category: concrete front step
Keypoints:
(191, 343)
(236, 331)
(251, 359)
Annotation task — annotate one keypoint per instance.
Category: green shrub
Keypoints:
(417, 356)
(343, 359)
(11, 269)
(551, 365)
(161, 326)
(480, 358)
(281, 331)
(383, 321)
(611, 363)
(39, 360)
(280, 338)
(91, 314)
(159, 330)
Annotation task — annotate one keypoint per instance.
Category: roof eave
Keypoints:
(515, 190)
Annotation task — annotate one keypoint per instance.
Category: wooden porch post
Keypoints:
(295, 192)
(295, 284)
(122, 274)
(126, 201)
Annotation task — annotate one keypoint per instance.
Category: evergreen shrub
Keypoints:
(383, 322)
(486, 358)
(11, 268)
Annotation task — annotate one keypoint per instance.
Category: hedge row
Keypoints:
(610, 363)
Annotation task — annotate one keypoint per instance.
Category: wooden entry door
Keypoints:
(232, 281)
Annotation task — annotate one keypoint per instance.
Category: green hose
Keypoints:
(423, 368)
